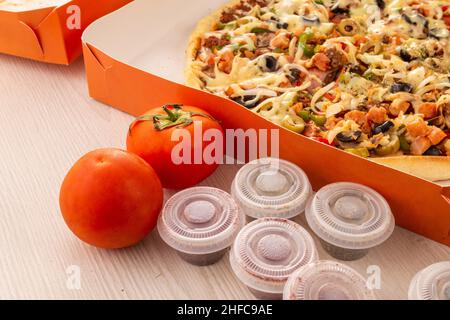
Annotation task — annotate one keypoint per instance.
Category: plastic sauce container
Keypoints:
(271, 187)
(326, 280)
(201, 224)
(349, 219)
(267, 251)
(432, 283)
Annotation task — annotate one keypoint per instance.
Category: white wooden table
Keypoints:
(47, 121)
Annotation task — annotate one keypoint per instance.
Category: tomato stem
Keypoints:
(175, 117)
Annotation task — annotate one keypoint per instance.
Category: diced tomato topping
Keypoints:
(358, 116)
(377, 115)
(280, 41)
(436, 135)
(428, 109)
(420, 145)
(321, 61)
(417, 128)
(226, 61)
(396, 107)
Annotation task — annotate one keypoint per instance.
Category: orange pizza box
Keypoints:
(135, 59)
(49, 30)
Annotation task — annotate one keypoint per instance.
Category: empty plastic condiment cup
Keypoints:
(201, 224)
(349, 219)
(326, 280)
(267, 251)
(271, 188)
(432, 283)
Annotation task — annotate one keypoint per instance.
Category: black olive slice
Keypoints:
(417, 19)
(406, 56)
(338, 10)
(282, 25)
(381, 4)
(294, 75)
(401, 87)
(311, 19)
(243, 101)
(349, 136)
(384, 127)
(433, 151)
(270, 64)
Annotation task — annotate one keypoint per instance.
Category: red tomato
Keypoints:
(150, 137)
(111, 198)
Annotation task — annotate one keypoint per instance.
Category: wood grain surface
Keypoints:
(48, 121)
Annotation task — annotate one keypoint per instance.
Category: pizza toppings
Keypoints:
(268, 63)
(371, 77)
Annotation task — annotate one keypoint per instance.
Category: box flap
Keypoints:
(38, 31)
(20, 32)
(97, 69)
(29, 45)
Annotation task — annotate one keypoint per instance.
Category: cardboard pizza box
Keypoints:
(49, 30)
(135, 59)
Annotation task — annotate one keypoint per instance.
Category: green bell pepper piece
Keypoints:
(305, 115)
(404, 145)
(318, 120)
(260, 30)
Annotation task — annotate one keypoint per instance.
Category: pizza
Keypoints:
(370, 77)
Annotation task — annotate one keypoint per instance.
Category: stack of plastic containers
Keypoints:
(349, 219)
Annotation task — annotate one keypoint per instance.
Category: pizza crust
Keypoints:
(205, 25)
(429, 168)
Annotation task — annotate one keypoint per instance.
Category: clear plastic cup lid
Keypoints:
(432, 283)
(271, 188)
(350, 216)
(200, 220)
(326, 280)
(268, 250)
